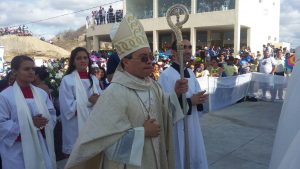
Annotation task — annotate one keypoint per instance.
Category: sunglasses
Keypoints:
(145, 58)
(187, 46)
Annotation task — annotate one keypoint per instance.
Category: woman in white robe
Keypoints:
(27, 120)
(78, 92)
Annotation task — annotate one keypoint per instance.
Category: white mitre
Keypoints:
(128, 36)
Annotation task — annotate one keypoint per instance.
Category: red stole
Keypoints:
(27, 92)
(83, 75)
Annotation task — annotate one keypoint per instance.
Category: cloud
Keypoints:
(289, 22)
(72, 4)
(34, 12)
(18, 12)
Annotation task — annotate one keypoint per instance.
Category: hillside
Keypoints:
(31, 46)
(70, 39)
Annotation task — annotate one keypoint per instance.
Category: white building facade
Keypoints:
(224, 23)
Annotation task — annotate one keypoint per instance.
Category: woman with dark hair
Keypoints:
(200, 70)
(103, 82)
(27, 120)
(78, 92)
(7, 81)
(41, 74)
(216, 70)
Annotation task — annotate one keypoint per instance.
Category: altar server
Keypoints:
(27, 120)
(78, 92)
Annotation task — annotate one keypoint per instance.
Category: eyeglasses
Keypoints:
(145, 58)
(187, 46)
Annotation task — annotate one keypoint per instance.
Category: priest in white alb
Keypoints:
(131, 125)
(195, 99)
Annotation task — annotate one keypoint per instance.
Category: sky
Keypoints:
(18, 12)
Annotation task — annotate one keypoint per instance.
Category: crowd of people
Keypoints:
(22, 30)
(221, 62)
(101, 16)
(111, 110)
(219, 5)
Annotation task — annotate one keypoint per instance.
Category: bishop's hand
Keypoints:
(152, 128)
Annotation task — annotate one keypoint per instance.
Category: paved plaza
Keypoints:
(240, 136)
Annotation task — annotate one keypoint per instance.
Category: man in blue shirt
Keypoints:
(245, 63)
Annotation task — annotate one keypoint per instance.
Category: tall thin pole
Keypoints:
(177, 10)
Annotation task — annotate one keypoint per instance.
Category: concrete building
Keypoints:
(224, 23)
